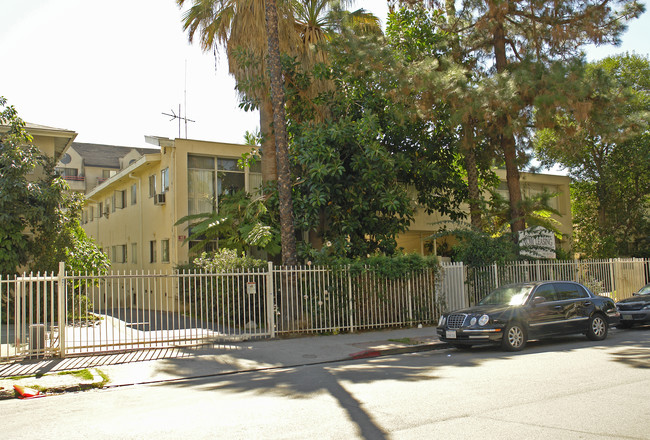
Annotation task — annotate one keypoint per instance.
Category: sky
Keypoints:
(110, 69)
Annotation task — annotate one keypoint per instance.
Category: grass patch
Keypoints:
(407, 341)
(105, 378)
(84, 374)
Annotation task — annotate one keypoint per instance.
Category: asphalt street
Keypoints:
(568, 388)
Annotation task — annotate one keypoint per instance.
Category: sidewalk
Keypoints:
(58, 375)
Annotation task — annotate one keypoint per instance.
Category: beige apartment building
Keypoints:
(50, 140)
(416, 238)
(132, 214)
(84, 165)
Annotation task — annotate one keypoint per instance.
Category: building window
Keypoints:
(107, 174)
(164, 180)
(91, 213)
(119, 200)
(255, 177)
(107, 206)
(113, 202)
(152, 185)
(208, 178)
(119, 253)
(164, 251)
(67, 172)
(152, 251)
(134, 253)
(101, 209)
(134, 193)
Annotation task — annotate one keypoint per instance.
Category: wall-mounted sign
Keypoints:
(537, 242)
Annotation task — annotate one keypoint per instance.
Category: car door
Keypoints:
(574, 305)
(543, 311)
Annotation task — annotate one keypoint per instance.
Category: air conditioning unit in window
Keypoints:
(159, 199)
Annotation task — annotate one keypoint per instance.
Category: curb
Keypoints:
(365, 354)
(99, 383)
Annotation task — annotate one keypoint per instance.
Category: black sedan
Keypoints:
(513, 314)
(636, 309)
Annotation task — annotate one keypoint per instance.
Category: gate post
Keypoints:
(62, 306)
(270, 304)
(350, 302)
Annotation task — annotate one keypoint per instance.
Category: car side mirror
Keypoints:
(538, 300)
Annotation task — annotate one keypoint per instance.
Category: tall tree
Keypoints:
(603, 140)
(417, 33)
(515, 43)
(287, 230)
(359, 170)
(240, 27)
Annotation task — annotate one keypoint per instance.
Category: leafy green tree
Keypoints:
(603, 141)
(39, 216)
(443, 77)
(360, 170)
(241, 223)
(518, 47)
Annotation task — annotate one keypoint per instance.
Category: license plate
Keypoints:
(626, 316)
(450, 334)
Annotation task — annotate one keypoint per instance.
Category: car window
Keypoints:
(513, 295)
(567, 291)
(645, 290)
(547, 291)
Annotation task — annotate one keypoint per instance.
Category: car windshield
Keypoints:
(644, 290)
(514, 295)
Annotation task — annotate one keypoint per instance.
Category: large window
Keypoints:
(210, 177)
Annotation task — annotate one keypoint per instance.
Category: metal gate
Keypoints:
(29, 316)
(81, 314)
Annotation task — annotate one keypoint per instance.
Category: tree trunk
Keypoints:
(507, 138)
(467, 143)
(269, 164)
(287, 232)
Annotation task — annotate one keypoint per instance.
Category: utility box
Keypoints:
(36, 340)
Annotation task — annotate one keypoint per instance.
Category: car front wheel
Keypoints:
(597, 330)
(514, 337)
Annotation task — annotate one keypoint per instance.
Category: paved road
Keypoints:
(568, 388)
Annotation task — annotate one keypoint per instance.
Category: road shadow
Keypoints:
(331, 377)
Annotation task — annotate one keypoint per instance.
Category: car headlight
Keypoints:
(472, 321)
(442, 321)
(646, 307)
(483, 320)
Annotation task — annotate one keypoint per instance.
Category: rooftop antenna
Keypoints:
(179, 117)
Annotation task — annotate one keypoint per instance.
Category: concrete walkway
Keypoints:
(57, 375)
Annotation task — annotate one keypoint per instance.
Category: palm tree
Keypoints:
(258, 30)
(240, 27)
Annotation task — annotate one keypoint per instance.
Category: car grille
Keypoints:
(456, 320)
(631, 306)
